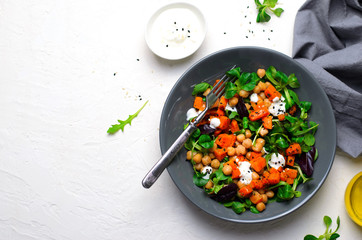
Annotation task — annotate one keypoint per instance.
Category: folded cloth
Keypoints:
(328, 42)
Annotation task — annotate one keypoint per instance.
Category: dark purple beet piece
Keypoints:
(206, 129)
(226, 193)
(306, 162)
(241, 108)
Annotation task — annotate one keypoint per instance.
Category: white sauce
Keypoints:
(277, 107)
(229, 108)
(176, 32)
(245, 172)
(276, 161)
(191, 113)
(207, 171)
(254, 97)
(214, 122)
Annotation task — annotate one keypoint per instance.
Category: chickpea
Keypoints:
(262, 95)
(248, 134)
(247, 143)
(227, 169)
(244, 94)
(198, 166)
(215, 164)
(260, 72)
(267, 84)
(262, 85)
(269, 194)
(254, 176)
(237, 143)
(213, 148)
(260, 206)
(267, 102)
(257, 147)
(209, 184)
(207, 92)
(240, 150)
(230, 151)
(261, 191)
(233, 101)
(212, 156)
(240, 137)
(265, 198)
(206, 160)
(240, 184)
(261, 141)
(189, 155)
(263, 132)
(247, 105)
(197, 158)
(257, 89)
(248, 154)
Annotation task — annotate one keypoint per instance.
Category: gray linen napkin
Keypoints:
(328, 42)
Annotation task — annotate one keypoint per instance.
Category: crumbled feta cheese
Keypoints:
(191, 113)
(214, 122)
(254, 97)
(245, 172)
(276, 161)
(277, 108)
(207, 171)
(276, 99)
(229, 108)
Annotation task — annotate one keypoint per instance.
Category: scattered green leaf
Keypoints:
(116, 127)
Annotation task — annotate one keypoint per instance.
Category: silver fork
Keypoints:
(216, 92)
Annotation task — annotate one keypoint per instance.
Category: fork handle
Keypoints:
(166, 159)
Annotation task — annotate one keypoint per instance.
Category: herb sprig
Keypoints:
(328, 234)
(116, 127)
(263, 9)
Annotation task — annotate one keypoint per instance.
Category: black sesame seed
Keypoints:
(176, 29)
(174, 22)
(114, 74)
(271, 30)
(182, 29)
(188, 36)
(166, 45)
(263, 30)
(138, 59)
(268, 38)
(246, 36)
(188, 31)
(224, 32)
(249, 22)
(247, 7)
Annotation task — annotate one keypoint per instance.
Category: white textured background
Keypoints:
(70, 69)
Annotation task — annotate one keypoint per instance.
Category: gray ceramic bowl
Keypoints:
(249, 59)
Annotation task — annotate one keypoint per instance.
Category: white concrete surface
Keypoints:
(70, 69)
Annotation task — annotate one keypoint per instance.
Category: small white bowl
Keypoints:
(175, 31)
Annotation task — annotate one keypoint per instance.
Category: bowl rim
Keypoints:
(332, 148)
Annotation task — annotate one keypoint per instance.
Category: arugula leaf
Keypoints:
(267, 5)
(200, 88)
(116, 127)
